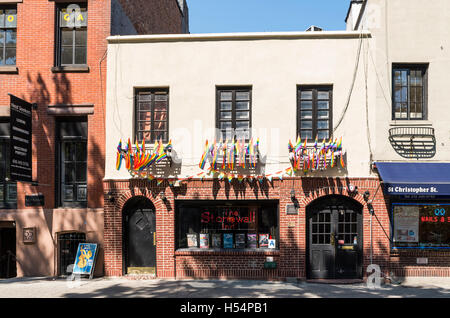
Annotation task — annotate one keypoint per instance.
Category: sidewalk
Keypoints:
(124, 288)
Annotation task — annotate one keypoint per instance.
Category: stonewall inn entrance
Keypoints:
(334, 238)
(139, 224)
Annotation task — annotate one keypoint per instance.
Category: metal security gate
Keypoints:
(68, 246)
(334, 239)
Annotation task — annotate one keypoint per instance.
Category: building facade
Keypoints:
(54, 55)
(270, 155)
(410, 135)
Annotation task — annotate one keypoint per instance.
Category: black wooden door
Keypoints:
(334, 239)
(140, 226)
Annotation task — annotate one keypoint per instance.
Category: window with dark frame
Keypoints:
(8, 189)
(73, 163)
(71, 35)
(152, 115)
(8, 35)
(234, 112)
(314, 112)
(409, 84)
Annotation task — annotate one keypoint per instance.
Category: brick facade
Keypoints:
(154, 16)
(36, 82)
(291, 255)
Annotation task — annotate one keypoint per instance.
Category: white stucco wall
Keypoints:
(410, 31)
(191, 66)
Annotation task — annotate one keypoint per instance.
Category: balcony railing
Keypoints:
(413, 142)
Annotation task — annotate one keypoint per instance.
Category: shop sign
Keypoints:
(428, 189)
(29, 235)
(21, 140)
(85, 260)
(35, 200)
(228, 218)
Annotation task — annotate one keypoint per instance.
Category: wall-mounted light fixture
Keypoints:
(109, 197)
(162, 196)
(366, 195)
(294, 199)
(352, 188)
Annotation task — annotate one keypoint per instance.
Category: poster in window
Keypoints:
(263, 240)
(204, 240)
(406, 221)
(228, 240)
(192, 240)
(216, 241)
(272, 243)
(251, 241)
(240, 240)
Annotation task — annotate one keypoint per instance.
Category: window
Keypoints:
(227, 225)
(8, 35)
(409, 85)
(73, 163)
(68, 248)
(234, 113)
(8, 190)
(421, 225)
(152, 115)
(71, 35)
(314, 112)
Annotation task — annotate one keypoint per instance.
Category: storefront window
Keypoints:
(237, 225)
(421, 225)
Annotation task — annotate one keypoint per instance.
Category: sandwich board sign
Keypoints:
(85, 259)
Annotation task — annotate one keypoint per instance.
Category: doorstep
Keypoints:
(140, 276)
(335, 281)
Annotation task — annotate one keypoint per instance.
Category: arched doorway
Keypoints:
(334, 238)
(139, 225)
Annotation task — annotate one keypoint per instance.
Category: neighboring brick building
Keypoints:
(62, 69)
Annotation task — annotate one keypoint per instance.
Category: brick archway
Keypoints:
(114, 232)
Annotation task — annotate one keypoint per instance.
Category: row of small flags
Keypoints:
(231, 154)
(138, 159)
(228, 154)
(306, 158)
(219, 175)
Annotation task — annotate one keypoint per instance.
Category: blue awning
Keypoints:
(411, 178)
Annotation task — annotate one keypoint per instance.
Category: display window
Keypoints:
(420, 225)
(226, 225)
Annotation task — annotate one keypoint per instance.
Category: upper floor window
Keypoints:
(8, 189)
(152, 115)
(71, 34)
(314, 112)
(72, 158)
(409, 86)
(234, 112)
(8, 35)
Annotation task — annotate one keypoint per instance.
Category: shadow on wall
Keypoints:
(41, 258)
